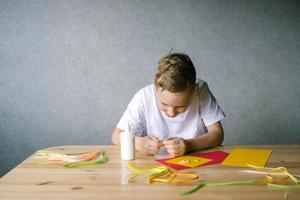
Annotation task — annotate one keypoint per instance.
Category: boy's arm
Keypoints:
(213, 137)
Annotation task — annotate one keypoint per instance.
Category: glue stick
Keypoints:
(127, 145)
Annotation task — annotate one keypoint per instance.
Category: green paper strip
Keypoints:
(285, 195)
(285, 187)
(219, 184)
(232, 183)
(194, 189)
(102, 160)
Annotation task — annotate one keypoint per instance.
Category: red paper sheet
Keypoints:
(216, 157)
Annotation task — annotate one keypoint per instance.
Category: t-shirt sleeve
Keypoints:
(133, 119)
(210, 110)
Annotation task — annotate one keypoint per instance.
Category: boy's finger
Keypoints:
(157, 140)
(176, 152)
(171, 141)
(173, 147)
(172, 138)
(153, 143)
(154, 138)
(173, 152)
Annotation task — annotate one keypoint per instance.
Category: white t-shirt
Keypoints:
(143, 116)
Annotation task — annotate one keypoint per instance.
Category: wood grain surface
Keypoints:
(33, 179)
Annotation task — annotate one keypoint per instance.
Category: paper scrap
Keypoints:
(189, 161)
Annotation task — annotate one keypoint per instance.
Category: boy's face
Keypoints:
(171, 103)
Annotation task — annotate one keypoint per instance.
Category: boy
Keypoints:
(178, 111)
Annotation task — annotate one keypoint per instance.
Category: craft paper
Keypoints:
(160, 174)
(189, 161)
(270, 180)
(72, 160)
(241, 157)
(215, 157)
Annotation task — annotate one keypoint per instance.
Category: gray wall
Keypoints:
(69, 68)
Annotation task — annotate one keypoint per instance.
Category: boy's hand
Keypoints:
(175, 146)
(148, 145)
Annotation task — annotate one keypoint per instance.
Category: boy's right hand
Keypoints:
(148, 145)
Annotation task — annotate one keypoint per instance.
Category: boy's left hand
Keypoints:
(175, 146)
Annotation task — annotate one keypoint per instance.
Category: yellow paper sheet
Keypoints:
(189, 161)
(241, 157)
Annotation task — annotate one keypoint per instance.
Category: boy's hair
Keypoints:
(175, 73)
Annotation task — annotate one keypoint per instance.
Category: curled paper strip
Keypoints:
(72, 160)
(269, 171)
(160, 174)
(274, 177)
(277, 178)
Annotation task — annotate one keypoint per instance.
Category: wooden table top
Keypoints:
(30, 180)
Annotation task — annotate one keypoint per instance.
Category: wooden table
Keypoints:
(31, 180)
